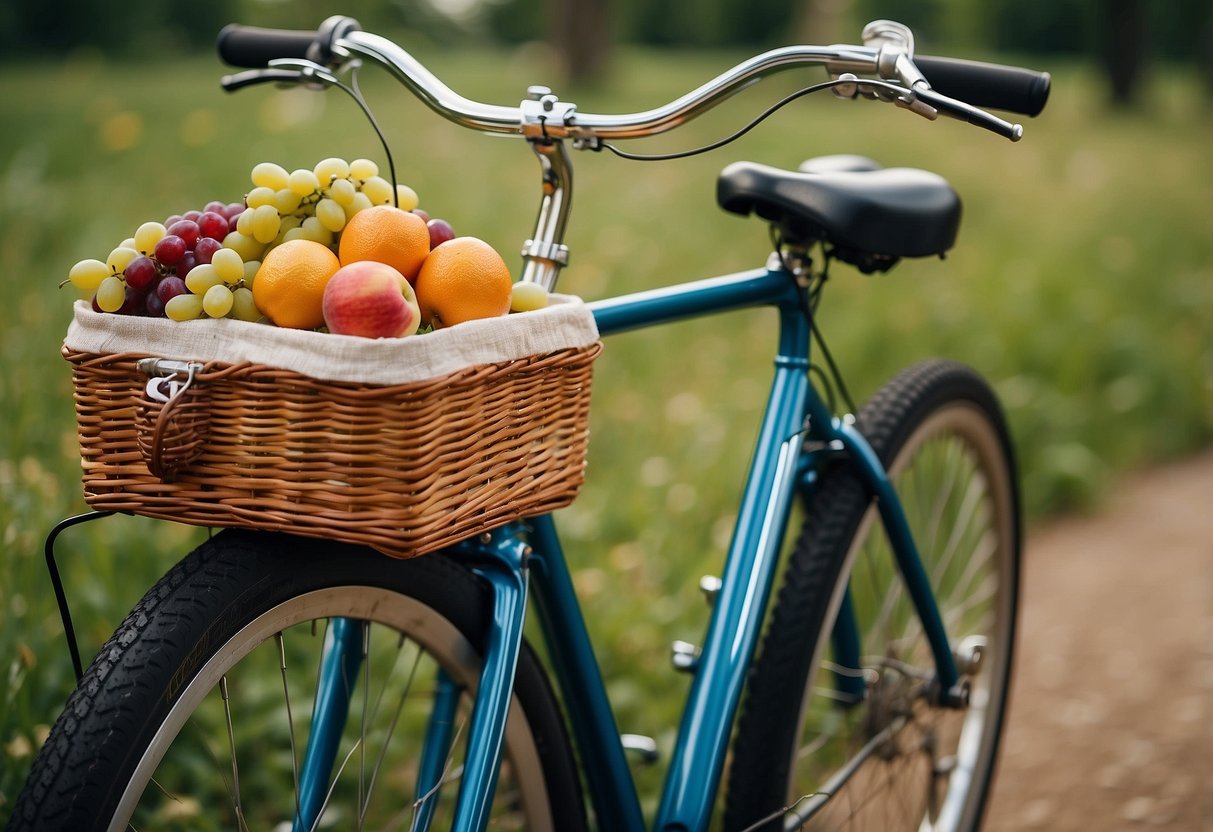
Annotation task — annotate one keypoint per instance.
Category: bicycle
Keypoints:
(876, 697)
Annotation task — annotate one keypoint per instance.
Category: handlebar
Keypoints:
(928, 86)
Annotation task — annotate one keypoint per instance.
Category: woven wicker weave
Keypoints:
(405, 469)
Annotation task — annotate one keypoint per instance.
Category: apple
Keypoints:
(372, 300)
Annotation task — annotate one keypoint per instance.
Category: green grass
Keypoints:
(1082, 284)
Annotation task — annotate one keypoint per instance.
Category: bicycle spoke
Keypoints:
(890, 600)
(943, 493)
(366, 689)
(324, 637)
(444, 779)
(231, 738)
(392, 726)
(290, 720)
(982, 554)
(333, 785)
(843, 777)
(987, 590)
(968, 508)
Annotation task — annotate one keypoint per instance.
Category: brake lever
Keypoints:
(251, 77)
(965, 112)
(924, 101)
(282, 70)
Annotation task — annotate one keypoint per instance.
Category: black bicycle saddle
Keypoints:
(870, 215)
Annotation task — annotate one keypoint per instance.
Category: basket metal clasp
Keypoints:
(164, 384)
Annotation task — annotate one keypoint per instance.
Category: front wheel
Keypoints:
(196, 713)
(830, 743)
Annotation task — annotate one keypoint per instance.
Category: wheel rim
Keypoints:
(894, 762)
(384, 710)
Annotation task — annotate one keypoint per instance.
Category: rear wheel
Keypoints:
(828, 743)
(196, 713)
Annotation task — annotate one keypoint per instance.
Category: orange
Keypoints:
(289, 286)
(388, 235)
(463, 279)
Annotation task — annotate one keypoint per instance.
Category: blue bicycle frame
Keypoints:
(524, 558)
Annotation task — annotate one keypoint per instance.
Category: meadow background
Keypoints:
(1081, 284)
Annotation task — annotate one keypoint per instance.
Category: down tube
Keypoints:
(737, 615)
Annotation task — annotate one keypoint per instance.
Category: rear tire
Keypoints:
(218, 614)
(939, 431)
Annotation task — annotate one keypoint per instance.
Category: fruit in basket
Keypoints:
(247, 247)
(372, 300)
(388, 235)
(270, 175)
(217, 301)
(188, 231)
(170, 287)
(169, 250)
(244, 308)
(327, 170)
(330, 213)
(527, 297)
(185, 307)
(228, 266)
(202, 263)
(141, 272)
(147, 235)
(266, 223)
(201, 278)
(120, 257)
(289, 287)
(440, 232)
(462, 280)
(213, 225)
(88, 274)
(205, 249)
(111, 294)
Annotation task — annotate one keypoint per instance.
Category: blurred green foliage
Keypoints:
(1175, 29)
(1082, 284)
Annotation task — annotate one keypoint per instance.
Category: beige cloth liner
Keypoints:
(565, 322)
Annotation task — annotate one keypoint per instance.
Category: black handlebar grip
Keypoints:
(991, 86)
(254, 47)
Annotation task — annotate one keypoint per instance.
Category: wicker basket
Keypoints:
(404, 468)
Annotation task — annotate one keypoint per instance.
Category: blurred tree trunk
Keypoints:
(820, 22)
(582, 35)
(1124, 47)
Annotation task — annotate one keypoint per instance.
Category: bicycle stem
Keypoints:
(545, 253)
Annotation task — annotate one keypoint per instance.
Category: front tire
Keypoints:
(825, 747)
(187, 719)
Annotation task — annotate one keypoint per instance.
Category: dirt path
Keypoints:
(1111, 723)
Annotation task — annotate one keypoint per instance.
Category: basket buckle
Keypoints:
(171, 428)
(163, 374)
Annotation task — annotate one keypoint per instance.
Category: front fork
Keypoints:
(499, 558)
